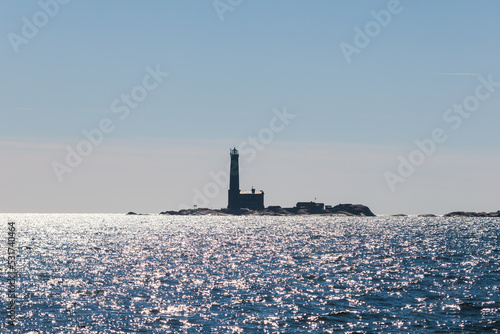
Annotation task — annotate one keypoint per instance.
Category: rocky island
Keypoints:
(251, 202)
(472, 214)
(302, 208)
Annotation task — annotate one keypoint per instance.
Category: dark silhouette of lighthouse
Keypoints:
(237, 199)
(234, 181)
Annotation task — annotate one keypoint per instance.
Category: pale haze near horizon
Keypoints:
(227, 79)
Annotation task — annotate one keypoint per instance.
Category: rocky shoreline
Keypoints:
(456, 214)
(344, 210)
(338, 210)
(472, 214)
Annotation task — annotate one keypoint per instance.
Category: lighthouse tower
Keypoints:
(234, 181)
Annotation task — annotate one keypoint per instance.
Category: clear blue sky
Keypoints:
(353, 119)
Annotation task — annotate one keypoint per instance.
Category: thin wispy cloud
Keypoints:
(442, 73)
(31, 145)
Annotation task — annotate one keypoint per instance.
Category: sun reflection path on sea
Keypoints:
(166, 274)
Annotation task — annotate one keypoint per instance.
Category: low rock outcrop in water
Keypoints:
(472, 214)
(353, 209)
(194, 212)
(338, 210)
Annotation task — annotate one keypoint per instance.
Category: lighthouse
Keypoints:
(237, 199)
(234, 181)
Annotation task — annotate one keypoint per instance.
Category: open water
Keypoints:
(163, 274)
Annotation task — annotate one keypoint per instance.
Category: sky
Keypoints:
(116, 106)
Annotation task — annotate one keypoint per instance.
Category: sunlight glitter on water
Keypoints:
(155, 274)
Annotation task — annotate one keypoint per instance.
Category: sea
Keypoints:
(113, 273)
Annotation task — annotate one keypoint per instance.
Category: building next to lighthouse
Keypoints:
(237, 199)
